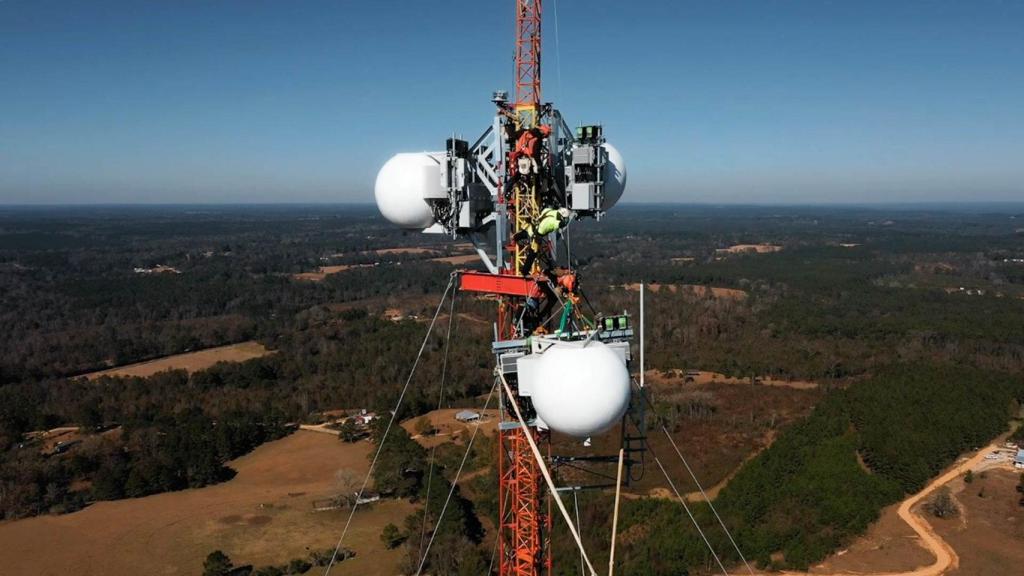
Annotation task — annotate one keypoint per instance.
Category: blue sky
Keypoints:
(302, 101)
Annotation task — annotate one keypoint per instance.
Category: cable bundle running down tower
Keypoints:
(512, 193)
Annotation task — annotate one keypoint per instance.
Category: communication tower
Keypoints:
(567, 373)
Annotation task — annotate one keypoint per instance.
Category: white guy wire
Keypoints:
(394, 415)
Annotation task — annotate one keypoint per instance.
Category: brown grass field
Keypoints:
(697, 290)
(451, 430)
(456, 260)
(750, 248)
(190, 361)
(325, 271)
(262, 516)
(715, 445)
(699, 377)
(989, 534)
(410, 250)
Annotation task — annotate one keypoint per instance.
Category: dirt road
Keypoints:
(946, 558)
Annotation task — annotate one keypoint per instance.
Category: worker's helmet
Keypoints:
(545, 129)
(524, 165)
(564, 212)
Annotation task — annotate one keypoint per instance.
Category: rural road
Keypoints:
(945, 557)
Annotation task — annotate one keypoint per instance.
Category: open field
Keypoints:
(262, 516)
(190, 361)
(449, 429)
(697, 290)
(456, 260)
(734, 426)
(889, 545)
(325, 271)
(749, 248)
(989, 534)
(700, 377)
(410, 250)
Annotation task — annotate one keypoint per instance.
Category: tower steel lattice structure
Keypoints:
(525, 520)
(528, 50)
(527, 168)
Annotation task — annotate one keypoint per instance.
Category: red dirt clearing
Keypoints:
(456, 260)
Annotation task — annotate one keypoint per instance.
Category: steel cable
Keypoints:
(440, 399)
(391, 422)
(704, 494)
(455, 483)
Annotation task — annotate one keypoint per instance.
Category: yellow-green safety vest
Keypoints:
(549, 221)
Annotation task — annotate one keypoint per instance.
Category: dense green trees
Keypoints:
(809, 492)
(913, 420)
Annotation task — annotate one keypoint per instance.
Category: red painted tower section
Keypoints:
(527, 102)
(525, 520)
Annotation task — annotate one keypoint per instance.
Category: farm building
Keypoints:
(365, 418)
(1018, 462)
(467, 416)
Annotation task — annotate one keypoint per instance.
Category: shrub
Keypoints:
(217, 564)
(391, 536)
(299, 566)
(941, 505)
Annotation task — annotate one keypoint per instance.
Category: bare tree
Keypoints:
(348, 483)
(942, 505)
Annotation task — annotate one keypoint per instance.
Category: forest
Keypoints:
(910, 320)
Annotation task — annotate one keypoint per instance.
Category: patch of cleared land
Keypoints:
(410, 250)
(190, 361)
(263, 516)
(698, 290)
(456, 260)
(734, 425)
(451, 430)
(698, 377)
(749, 248)
(325, 271)
(989, 535)
(889, 545)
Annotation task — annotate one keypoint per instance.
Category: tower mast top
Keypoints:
(528, 44)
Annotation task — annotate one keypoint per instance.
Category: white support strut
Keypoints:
(642, 365)
(544, 470)
(615, 514)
